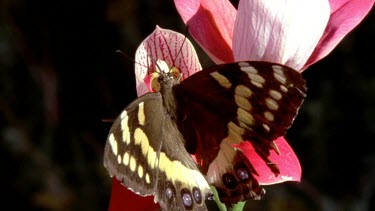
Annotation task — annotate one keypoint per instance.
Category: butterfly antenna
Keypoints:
(183, 42)
(108, 120)
(127, 57)
(156, 64)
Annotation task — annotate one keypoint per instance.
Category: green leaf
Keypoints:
(235, 207)
(221, 206)
(239, 206)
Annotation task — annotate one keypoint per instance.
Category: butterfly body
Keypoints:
(150, 144)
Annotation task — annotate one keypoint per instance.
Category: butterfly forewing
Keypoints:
(127, 147)
(244, 101)
(145, 151)
(259, 97)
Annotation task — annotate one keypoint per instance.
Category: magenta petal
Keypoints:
(287, 161)
(211, 24)
(164, 45)
(124, 199)
(345, 15)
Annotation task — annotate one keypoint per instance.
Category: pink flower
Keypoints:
(296, 33)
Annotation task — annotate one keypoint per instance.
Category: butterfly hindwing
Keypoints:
(145, 151)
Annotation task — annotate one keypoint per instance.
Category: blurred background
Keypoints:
(60, 76)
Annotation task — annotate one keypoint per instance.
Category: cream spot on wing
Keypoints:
(269, 116)
(245, 117)
(249, 70)
(242, 102)
(123, 114)
(243, 91)
(141, 113)
(140, 171)
(125, 159)
(283, 88)
(145, 147)
(151, 157)
(256, 78)
(275, 94)
(243, 64)
(176, 171)
(147, 177)
(139, 136)
(133, 163)
(278, 73)
(243, 125)
(113, 143)
(235, 133)
(125, 129)
(165, 163)
(257, 84)
(223, 81)
(272, 104)
(141, 139)
(266, 127)
(118, 159)
(253, 75)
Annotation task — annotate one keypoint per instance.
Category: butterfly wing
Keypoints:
(245, 101)
(145, 151)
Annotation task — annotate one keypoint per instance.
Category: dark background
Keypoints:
(60, 76)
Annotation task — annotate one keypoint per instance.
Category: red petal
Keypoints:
(124, 199)
(211, 24)
(345, 15)
(287, 161)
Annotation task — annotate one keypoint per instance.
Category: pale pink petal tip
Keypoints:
(285, 32)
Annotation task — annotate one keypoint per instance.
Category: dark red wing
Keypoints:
(254, 101)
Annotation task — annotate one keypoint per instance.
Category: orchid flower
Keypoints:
(164, 46)
(296, 33)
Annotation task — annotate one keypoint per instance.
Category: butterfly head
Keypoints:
(164, 77)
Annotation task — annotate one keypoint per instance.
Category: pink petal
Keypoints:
(284, 32)
(287, 161)
(166, 45)
(345, 15)
(211, 24)
(124, 199)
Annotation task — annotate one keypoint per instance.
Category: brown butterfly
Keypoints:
(149, 145)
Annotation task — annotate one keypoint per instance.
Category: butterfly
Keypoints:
(150, 145)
